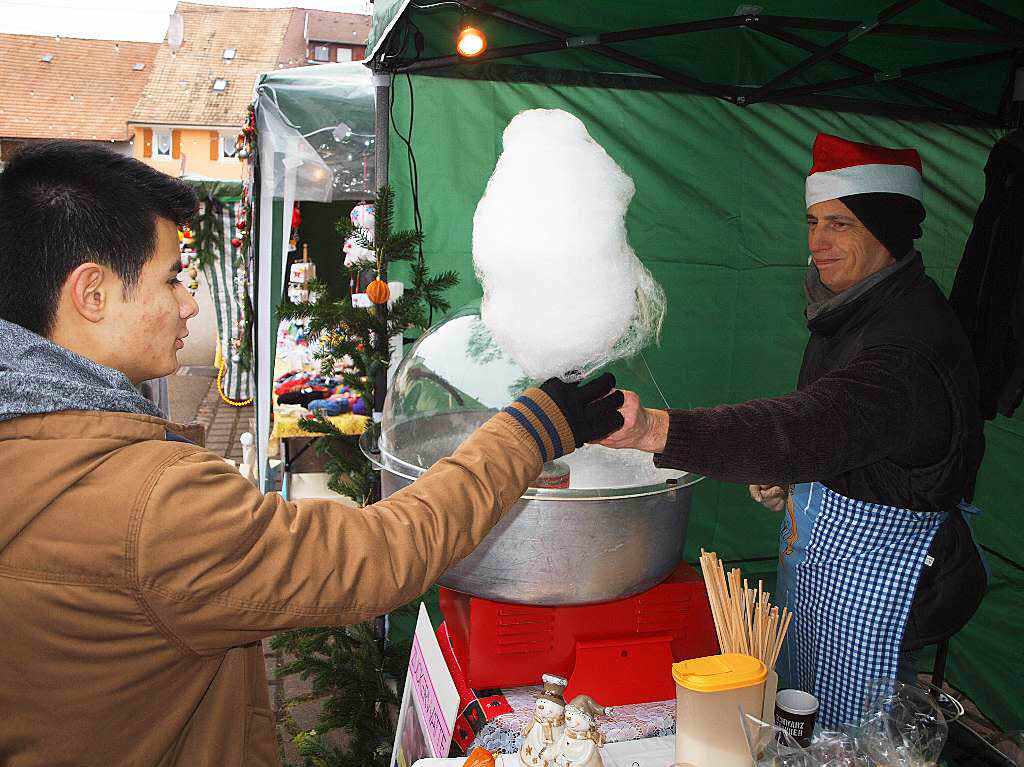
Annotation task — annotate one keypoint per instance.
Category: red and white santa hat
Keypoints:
(842, 168)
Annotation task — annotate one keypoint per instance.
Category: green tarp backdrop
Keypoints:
(718, 218)
(718, 214)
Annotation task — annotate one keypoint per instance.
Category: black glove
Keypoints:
(590, 413)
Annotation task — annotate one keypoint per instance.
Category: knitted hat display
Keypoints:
(554, 686)
(880, 186)
(841, 168)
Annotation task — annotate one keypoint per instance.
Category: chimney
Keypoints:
(176, 31)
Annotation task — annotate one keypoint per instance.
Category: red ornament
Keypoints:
(235, 242)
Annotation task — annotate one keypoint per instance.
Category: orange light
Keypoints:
(471, 42)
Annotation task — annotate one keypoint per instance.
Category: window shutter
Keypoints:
(214, 145)
(175, 144)
(147, 142)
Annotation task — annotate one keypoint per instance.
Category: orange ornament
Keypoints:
(378, 291)
(480, 757)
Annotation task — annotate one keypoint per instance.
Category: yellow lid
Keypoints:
(716, 673)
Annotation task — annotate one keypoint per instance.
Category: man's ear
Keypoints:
(88, 288)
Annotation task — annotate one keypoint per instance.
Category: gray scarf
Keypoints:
(38, 376)
(821, 300)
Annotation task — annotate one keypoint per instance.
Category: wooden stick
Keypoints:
(737, 631)
(765, 629)
(711, 586)
(745, 619)
(760, 624)
(711, 602)
(782, 635)
(723, 591)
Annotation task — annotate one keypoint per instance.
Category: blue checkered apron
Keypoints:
(848, 571)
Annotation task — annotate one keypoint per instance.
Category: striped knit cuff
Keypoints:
(537, 415)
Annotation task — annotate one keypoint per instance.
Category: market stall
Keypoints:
(712, 114)
(315, 147)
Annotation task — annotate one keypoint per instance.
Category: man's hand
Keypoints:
(642, 428)
(772, 497)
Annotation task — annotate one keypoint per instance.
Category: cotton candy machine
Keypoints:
(616, 530)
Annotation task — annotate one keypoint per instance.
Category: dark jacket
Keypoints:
(886, 412)
(988, 292)
(907, 312)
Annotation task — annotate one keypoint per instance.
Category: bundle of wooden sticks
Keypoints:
(745, 620)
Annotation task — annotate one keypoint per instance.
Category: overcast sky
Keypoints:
(125, 19)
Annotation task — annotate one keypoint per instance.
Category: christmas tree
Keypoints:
(362, 335)
(359, 671)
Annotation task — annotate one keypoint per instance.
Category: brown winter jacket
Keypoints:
(137, 576)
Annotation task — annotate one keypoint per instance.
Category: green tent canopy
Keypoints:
(712, 110)
(948, 60)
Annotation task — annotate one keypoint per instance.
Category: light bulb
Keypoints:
(471, 42)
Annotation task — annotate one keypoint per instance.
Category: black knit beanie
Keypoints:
(894, 219)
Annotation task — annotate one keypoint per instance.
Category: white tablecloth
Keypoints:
(646, 752)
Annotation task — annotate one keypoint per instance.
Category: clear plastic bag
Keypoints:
(774, 747)
(902, 726)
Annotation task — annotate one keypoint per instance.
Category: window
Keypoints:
(321, 53)
(344, 54)
(229, 53)
(162, 142)
(138, 66)
(228, 151)
(220, 85)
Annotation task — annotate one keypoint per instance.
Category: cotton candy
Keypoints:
(564, 293)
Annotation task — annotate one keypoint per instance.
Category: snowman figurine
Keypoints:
(544, 730)
(580, 743)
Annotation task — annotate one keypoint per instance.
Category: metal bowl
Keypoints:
(614, 532)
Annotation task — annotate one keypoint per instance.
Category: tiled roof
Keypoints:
(86, 91)
(331, 27)
(180, 90)
(293, 47)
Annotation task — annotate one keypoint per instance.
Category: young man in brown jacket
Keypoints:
(138, 572)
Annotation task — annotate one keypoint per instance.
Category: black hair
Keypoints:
(63, 203)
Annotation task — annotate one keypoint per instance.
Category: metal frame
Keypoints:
(1007, 36)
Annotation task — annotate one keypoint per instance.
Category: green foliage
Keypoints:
(361, 673)
(349, 473)
(363, 679)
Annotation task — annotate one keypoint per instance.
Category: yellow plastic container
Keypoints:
(709, 693)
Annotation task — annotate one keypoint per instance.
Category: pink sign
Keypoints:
(439, 731)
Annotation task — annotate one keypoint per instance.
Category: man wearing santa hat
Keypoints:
(874, 455)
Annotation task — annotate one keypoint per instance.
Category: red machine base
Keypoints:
(617, 652)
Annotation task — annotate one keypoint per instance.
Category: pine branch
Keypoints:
(383, 213)
(400, 246)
